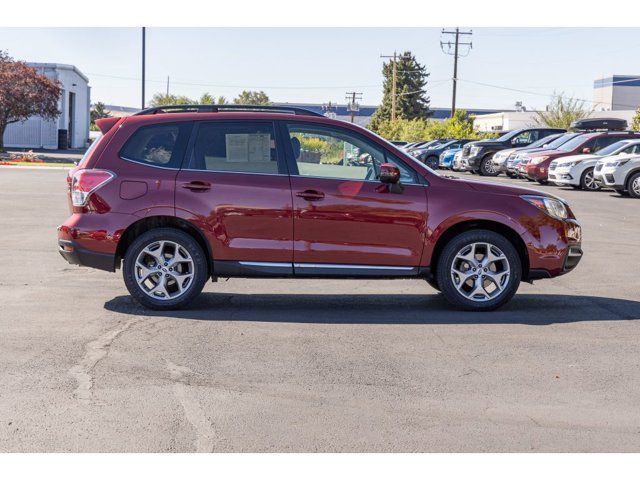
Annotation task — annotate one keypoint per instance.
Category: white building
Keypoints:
(617, 92)
(71, 128)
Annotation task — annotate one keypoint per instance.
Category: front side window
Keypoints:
(327, 152)
(242, 147)
(526, 138)
(158, 145)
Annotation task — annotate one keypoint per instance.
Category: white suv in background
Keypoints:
(579, 171)
(622, 173)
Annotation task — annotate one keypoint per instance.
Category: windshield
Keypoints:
(574, 143)
(508, 136)
(613, 148)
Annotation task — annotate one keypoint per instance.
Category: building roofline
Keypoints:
(58, 66)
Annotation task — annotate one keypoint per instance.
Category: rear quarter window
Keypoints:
(160, 145)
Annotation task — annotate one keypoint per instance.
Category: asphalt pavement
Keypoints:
(315, 365)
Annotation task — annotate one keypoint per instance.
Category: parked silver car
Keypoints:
(622, 173)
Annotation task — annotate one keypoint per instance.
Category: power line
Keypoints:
(632, 107)
(456, 53)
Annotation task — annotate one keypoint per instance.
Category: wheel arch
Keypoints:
(161, 221)
(481, 224)
(630, 173)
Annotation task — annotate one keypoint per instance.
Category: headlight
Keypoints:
(570, 164)
(618, 163)
(537, 160)
(551, 206)
(474, 150)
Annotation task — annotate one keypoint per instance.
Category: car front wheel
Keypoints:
(633, 185)
(164, 269)
(588, 181)
(479, 270)
(487, 168)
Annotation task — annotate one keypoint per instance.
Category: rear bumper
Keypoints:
(76, 255)
(91, 239)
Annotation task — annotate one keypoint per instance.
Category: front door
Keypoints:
(343, 215)
(236, 190)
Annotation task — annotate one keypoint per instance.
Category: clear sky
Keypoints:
(320, 64)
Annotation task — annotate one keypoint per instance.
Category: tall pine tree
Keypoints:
(412, 101)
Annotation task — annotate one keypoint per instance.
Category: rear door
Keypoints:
(235, 188)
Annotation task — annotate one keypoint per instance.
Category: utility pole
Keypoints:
(352, 105)
(167, 85)
(144, 54)
(457, 43)
(394, 82)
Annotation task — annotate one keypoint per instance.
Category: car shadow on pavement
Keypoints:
(385, 309)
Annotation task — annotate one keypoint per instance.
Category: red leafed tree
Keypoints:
(24, 93)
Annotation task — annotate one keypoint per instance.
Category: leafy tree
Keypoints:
(562, 112)
(412, 101)
(208, 99)
(24, 93)
(249, 97)
(97, 111)
(635, 124)
(160, 99)
(459, 126)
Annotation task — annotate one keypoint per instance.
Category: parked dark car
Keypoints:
(430, 156)
(478, 155)
(179, 195)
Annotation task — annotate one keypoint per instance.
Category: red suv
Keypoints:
(537, 166)
(178, 195)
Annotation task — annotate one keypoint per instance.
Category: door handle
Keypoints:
(310, 195)
(197, 186)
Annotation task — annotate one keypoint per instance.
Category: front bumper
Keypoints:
(473, 161)
(612, 177)
(537, 172)
(555, 249)
(563, 176)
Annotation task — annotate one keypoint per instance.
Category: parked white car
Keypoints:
(622, 173)
(579, 171)
(456, 165)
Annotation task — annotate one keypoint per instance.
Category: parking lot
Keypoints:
(332, 365)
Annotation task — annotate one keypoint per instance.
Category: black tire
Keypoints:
(446, 262)
(486, 167)
(509, 174)
(543, 182)
(633, 192)
(432, 162)
(621, 191)
(193, 287)
(584, 181)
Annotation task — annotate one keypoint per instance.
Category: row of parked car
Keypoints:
(595, 154)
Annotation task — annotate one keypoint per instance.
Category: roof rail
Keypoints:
(226, 108)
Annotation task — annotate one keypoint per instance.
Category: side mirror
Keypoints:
(586, 150)
(389, 173)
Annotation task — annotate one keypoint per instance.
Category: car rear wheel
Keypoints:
(633, 185)
(487, 168)
(588, 181)
(164, 269)
(479, 270)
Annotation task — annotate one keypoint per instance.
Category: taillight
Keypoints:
(85, 182)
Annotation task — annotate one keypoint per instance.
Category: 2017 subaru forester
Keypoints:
(178, 195)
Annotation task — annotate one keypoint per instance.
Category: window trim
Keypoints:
(190, 152)
(293, 165)
(181, 133)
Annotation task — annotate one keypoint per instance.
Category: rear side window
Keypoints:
(160, 145)
(241, 147)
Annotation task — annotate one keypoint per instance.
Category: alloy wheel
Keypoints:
(480, 271)
(590, 182)
(164, 270)
(635, 186)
